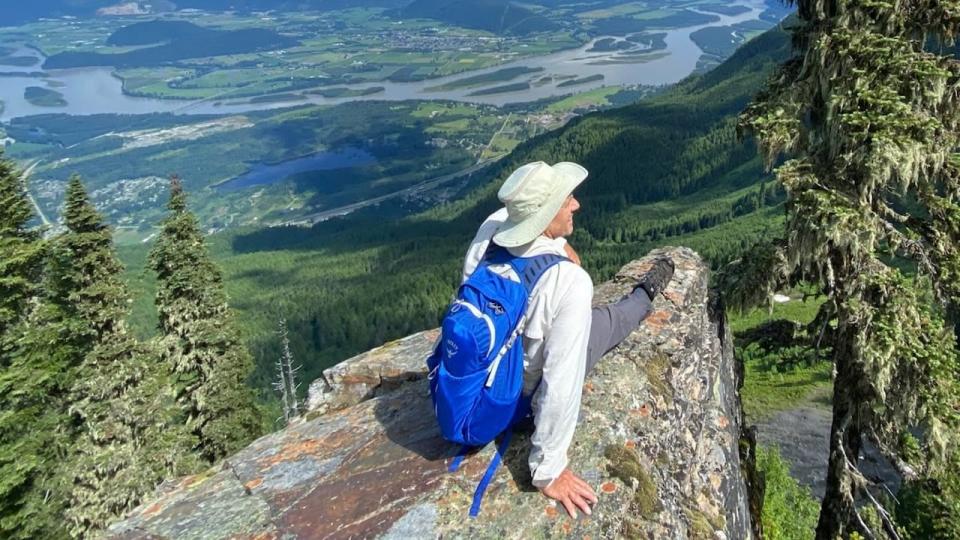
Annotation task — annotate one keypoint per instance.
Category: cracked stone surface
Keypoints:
(372, 373)
(657, 437)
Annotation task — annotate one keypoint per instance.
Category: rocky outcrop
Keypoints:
(372, 373)
(658, 438)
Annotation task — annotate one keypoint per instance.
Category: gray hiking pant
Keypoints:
(612, 323)
(609, 325)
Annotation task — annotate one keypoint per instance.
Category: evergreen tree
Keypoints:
(199, 341)
(869, 113)
(124, 446)
(21, 254)
(43, 345)
(36, 433)
(21, 461)
(129, 442)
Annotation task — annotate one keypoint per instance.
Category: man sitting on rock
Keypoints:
(564, 338)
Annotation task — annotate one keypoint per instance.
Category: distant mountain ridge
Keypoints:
(497, 16)
(155, 32)
(13, 13)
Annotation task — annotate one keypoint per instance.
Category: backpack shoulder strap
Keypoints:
(531, 269)
(494, 254)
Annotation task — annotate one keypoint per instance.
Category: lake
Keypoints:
(96, 90)
(268, 173)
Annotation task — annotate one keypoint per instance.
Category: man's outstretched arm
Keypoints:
(557, 402)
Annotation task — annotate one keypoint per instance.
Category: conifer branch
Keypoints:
(863, 484)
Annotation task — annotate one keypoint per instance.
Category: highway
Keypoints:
(26, 177)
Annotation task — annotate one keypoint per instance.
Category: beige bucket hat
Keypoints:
(533, 194)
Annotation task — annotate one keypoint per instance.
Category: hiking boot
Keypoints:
(656, 279)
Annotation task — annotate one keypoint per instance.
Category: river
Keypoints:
(96, 90)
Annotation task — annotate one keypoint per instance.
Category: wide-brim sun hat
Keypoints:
(533, 194)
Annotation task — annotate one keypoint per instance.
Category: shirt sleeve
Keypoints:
(557, 401)
(478, 246)
(476, 250)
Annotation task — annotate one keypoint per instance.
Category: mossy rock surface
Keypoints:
(625, 465)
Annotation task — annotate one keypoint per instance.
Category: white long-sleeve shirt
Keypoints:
(555, 345)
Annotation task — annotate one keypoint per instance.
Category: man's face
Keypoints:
(562, 224)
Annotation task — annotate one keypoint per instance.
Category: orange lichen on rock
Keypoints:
(674, 296)
(658, 319)
(293, 451)
(643, 411)
(153, 509)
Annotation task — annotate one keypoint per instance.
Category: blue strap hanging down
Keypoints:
(491, 470)
(523, 410)
(458, 459)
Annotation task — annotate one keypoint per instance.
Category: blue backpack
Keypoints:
(476, 368)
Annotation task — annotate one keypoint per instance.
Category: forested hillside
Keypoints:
(172, 41)
(498, 16)
(665, 171)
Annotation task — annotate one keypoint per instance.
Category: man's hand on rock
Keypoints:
(572, 492)
(572, 253)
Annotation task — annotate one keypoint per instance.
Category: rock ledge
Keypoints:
(658, 438)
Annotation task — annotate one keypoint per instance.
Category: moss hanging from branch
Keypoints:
(869, 116)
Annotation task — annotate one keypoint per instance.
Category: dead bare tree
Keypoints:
(286, 383)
